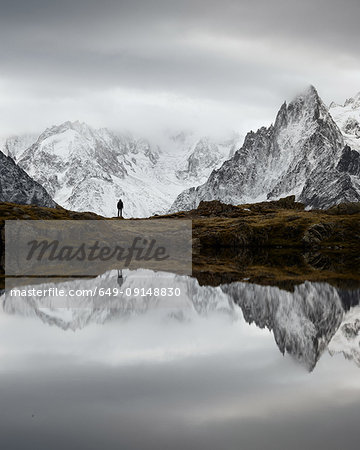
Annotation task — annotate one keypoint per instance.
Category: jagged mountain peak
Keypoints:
(308, 97)
(353, 101)
(298, 155)
(309, 94)
(68, 124)
(74, 129)
(307, 105)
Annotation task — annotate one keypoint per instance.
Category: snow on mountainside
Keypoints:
(15, 145)
(308, 151)
(347, 338)
(18, 187)
(347, 118)
(206, 155)
(303, 154)
(85, 169)
(77, 312)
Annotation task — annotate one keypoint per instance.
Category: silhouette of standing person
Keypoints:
(120, 206)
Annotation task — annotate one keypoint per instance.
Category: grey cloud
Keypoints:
(232, 52)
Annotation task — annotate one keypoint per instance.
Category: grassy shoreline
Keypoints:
(275, 243)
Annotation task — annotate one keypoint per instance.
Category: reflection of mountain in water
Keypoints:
(347, 338)
(77, 312)
(303, 322)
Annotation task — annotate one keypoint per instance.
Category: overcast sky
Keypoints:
(147, 65)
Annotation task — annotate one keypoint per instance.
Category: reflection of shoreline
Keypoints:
(303, 321)
(73, 247)
(272, 243)
(284, 268)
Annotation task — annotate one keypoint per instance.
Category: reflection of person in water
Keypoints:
(120, 278)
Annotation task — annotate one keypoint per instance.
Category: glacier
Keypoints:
(87, 169)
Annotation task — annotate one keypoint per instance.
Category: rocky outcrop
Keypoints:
(216, 208)
(345, 209)
(317, 233)
(349, 162)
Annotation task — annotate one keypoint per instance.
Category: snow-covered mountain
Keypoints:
(303, 322)
(304, 153)
(77, 312)
(347, 117)
(310, 151)
(18, 187)
(347, 338)
(86, 169)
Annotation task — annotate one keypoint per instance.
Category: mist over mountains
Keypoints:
(85, 169)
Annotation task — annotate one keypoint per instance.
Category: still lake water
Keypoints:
(238, 366)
